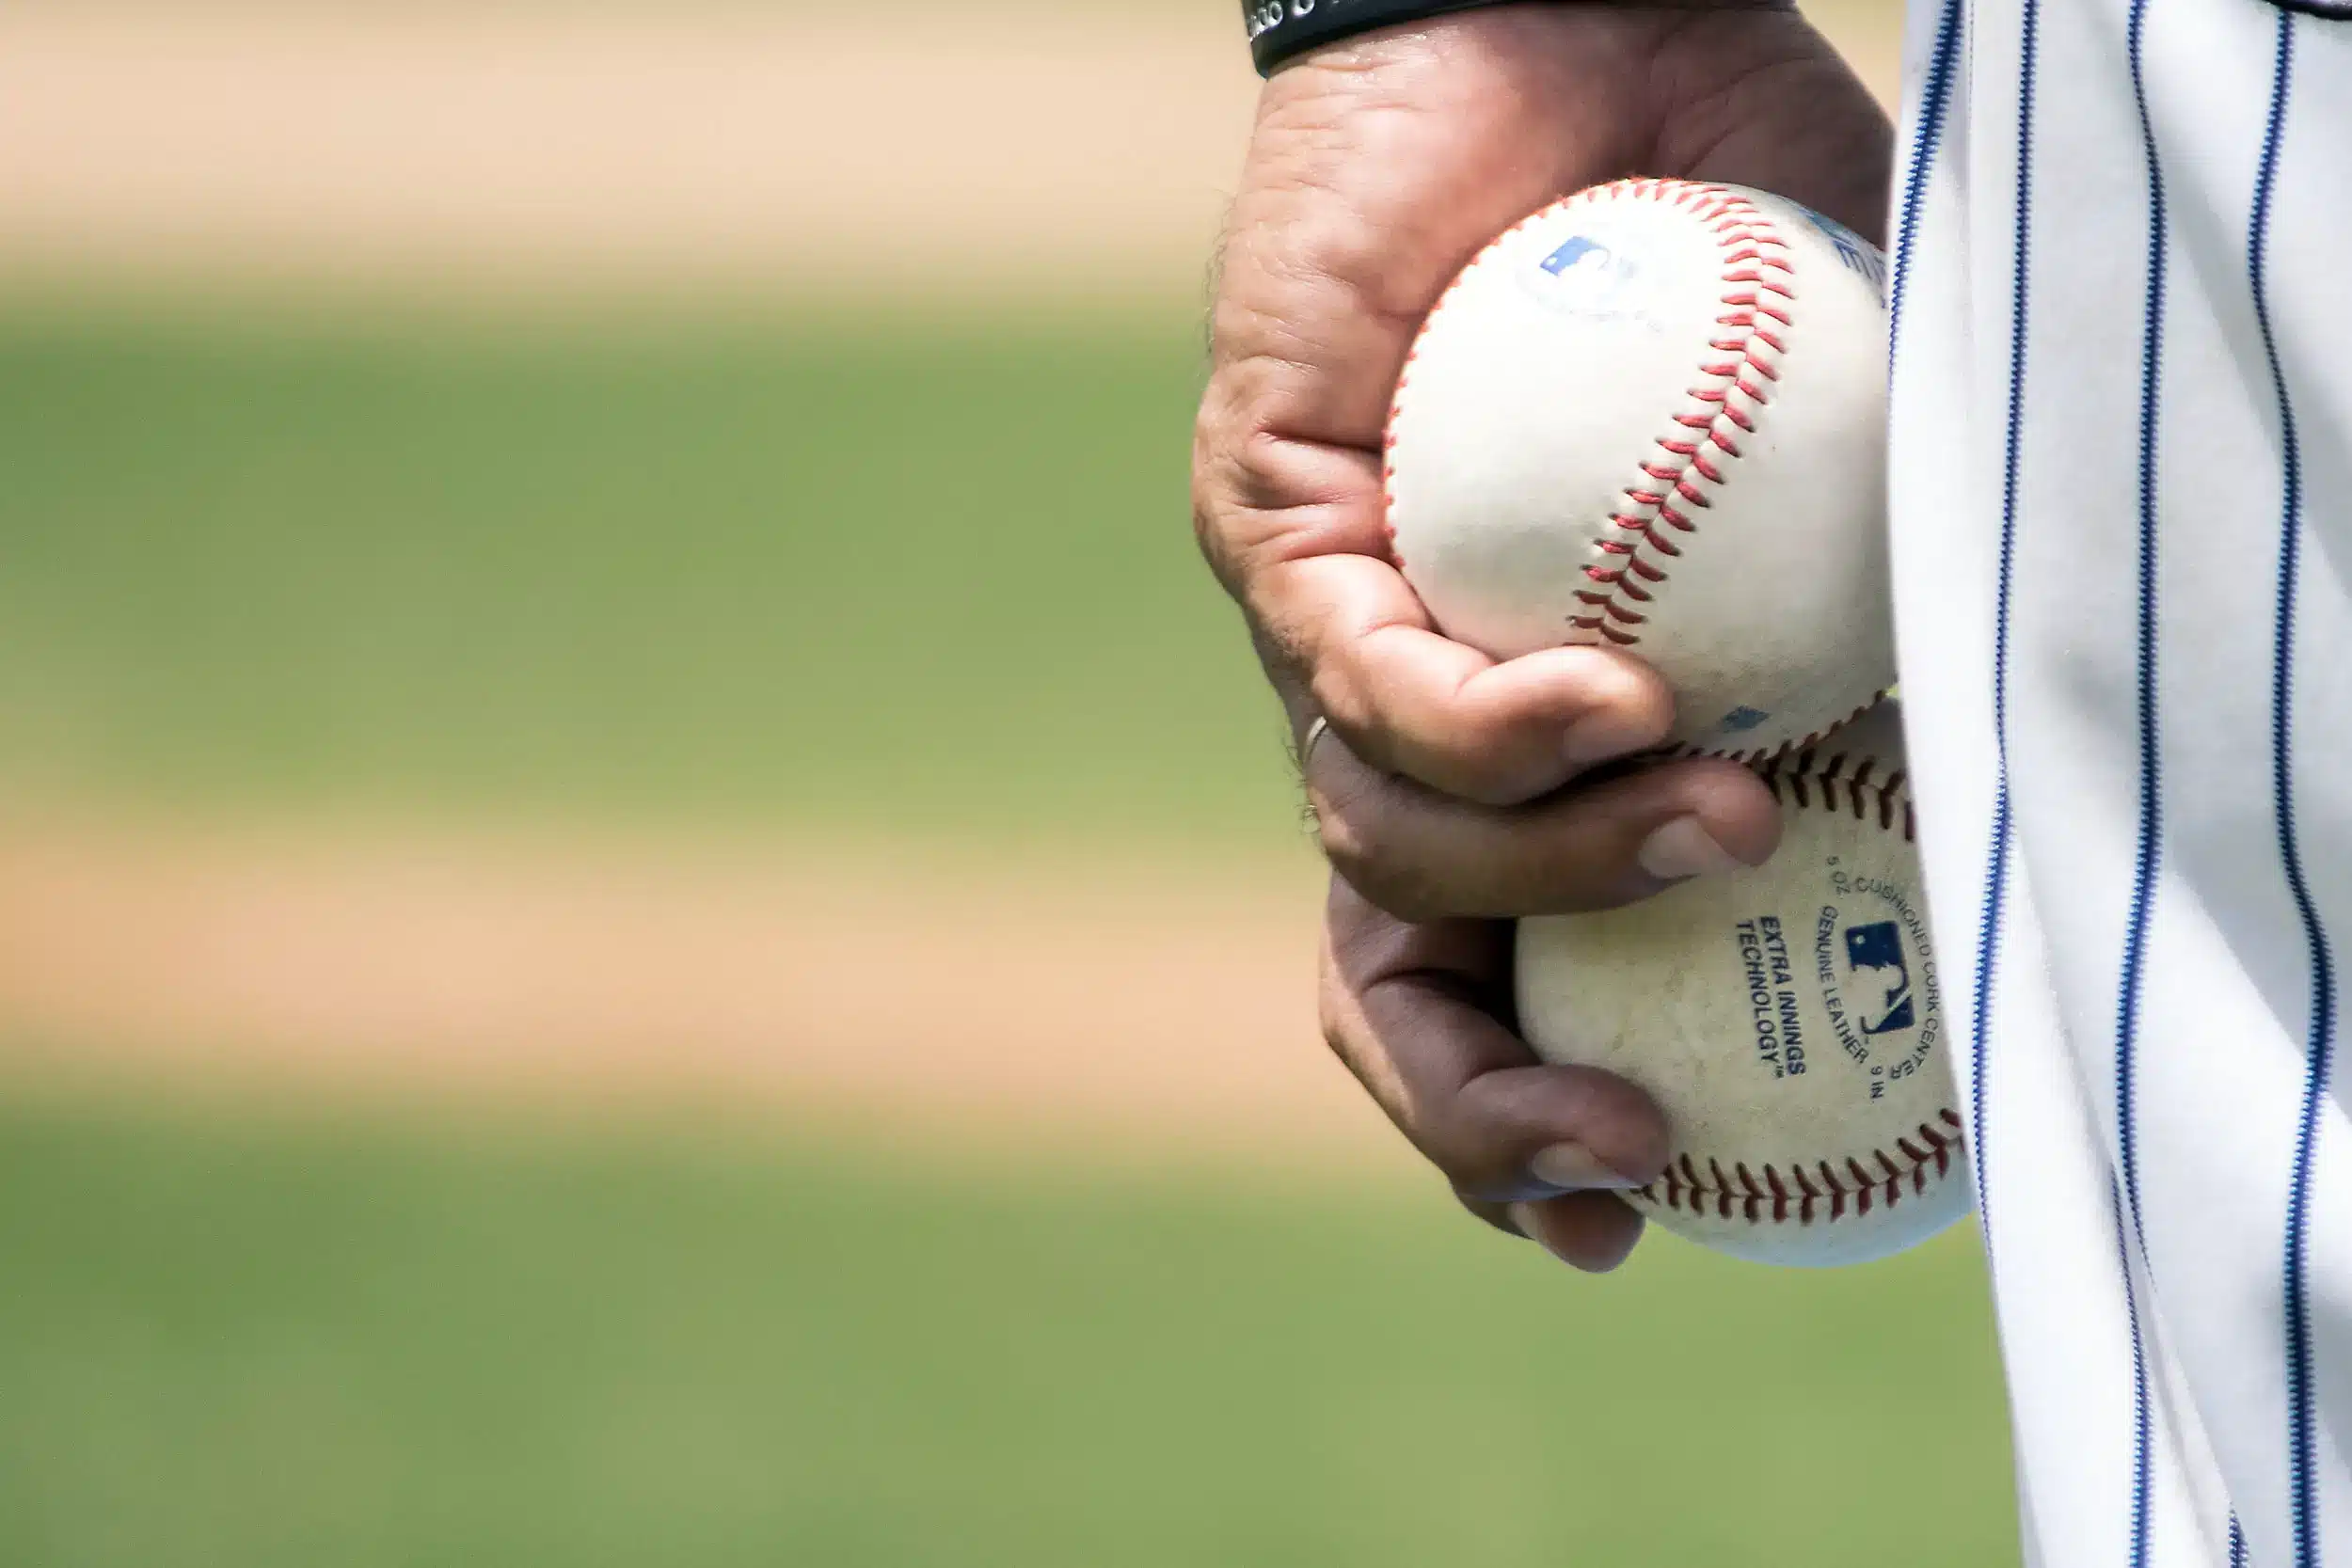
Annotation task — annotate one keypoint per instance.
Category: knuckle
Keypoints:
(1216, 526)
(1342, 1027)
(1350, 845)
(1236, 439)
(1338, 1026)
(1365, 846)
(1352, 1039)
(1435, 1134)
(1242, 477)
(1481, 1167)
(1402, 890)
(1343, 697)
(1359, 837)
(1209, 538)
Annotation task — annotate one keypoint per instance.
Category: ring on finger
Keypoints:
(1313, 737)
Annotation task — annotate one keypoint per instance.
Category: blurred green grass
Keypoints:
(290, 1343)
(893, 574)
(899, 573)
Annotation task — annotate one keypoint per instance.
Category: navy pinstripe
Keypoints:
(1936, 96)
(2320, 1041)
(1996, 867)
(2141, 1413)
(2147, 978)
(2149, 850)
(2148, 854)
(1934, 102)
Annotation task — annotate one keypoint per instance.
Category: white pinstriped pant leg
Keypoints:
(2123, 511)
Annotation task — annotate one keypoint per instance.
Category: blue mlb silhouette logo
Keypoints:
(1574, 251)
(1880, 948)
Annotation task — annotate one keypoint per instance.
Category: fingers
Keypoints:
(1334, 619)
(1409, 701)
(1370, 181)
(1591, 1232)
(1417, 1014)
(1585, 1231)
(1421, 855)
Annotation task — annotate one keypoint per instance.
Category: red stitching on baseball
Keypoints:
(1804, 1194)
(1798, 756)
(1749, 304)
(1810, 780)
(1754, 263)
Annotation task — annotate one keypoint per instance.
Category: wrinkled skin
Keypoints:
(1452, 792)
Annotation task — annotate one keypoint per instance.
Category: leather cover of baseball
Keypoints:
(1653, 415)
(1786, 1020)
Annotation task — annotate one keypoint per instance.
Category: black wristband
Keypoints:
(1280, 29)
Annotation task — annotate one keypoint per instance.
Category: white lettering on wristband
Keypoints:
(1266, 15)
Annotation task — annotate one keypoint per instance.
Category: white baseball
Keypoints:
(1787, 1020)
(1653, 416)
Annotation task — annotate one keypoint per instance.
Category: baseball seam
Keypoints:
(1849, 784)
(1841, 784)
(1764, 756)
(1696, 460)
(1800, 1194)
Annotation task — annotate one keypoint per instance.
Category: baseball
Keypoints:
(1652, 417)
(1787, 1020)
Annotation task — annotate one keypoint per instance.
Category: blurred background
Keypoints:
(648, 912)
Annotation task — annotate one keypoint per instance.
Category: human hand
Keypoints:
(1378, 167)
(1419, 1013)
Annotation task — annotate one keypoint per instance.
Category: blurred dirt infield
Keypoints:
(518, 150)
(1147, 1007)
(526, 151)
(554, 148)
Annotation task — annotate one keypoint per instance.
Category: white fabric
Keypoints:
(2130, 713)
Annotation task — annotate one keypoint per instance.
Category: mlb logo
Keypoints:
(1854, 253)
(1579, 251)
(1880, 948)
(1581, 275)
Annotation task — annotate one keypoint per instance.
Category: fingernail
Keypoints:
(1605, 736)
(1574, 1168)
(1681, 849)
